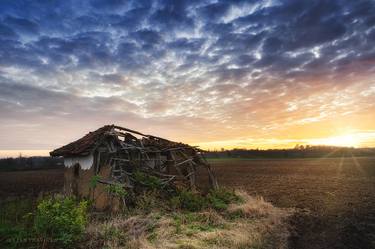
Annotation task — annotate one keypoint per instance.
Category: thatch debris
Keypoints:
(127, 151)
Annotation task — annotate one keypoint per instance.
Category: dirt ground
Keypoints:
(30, 183)
(336, 196)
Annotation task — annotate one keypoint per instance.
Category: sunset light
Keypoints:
(349, 140)
(209, 73)
(224, 124)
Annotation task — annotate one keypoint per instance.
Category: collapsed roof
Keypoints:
(90, 141)
(127, 151)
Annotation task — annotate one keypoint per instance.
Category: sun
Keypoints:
(348, 140)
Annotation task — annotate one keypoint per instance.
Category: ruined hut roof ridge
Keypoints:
(84, 145)
(88, 143)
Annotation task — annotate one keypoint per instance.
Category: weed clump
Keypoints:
(60, 221)
(189, 200)
(148, 181)
(116, 190)
(51, 223)
(218, 199)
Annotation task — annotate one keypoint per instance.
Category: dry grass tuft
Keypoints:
(252, 207)
(253, 223)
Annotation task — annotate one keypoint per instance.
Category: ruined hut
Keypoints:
(113, 155)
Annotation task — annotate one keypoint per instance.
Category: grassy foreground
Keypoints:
(249, 223)
(221, 219)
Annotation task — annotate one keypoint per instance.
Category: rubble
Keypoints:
(116, 153)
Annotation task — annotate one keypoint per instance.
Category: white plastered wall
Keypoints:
(85, 161)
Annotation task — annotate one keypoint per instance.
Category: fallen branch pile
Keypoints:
(171, 162)
(127, 152)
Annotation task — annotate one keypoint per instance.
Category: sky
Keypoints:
(218, 74)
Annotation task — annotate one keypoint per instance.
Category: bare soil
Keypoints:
(30, 183)
(335, 196)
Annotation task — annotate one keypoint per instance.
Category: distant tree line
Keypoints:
(30, 163)
(299, 151)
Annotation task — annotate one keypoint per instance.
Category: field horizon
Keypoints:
(110, 109)
(333, 196)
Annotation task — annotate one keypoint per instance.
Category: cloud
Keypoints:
(223, 67)
(22, 25)
(7, 32)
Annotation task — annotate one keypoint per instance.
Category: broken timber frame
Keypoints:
(169, 161)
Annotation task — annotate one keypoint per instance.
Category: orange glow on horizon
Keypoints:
(355, 140)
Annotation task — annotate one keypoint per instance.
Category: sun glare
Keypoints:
(348, 140)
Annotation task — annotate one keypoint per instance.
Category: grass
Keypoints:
(220, 219)
(16, 220)
(260, 225)
(50, 222)
(14, 212)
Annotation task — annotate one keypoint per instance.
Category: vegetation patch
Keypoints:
(218, 199)
(116, 190)
(236, 225)
(147, 180)
(60, 221)
(219, 219)
(54, 223)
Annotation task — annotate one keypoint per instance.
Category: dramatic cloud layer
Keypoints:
(216, 73)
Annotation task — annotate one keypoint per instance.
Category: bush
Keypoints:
(189, 201)
(116, 190)
(60, 221)
(149, 181)
(219, 199)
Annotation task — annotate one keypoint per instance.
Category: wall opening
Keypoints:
(76, 170)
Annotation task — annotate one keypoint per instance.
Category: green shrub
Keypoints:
(189, 201)
(217, 204)
(94, 181)
(116, 190)
(60, 221)
(219, 199)
(149, 181)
